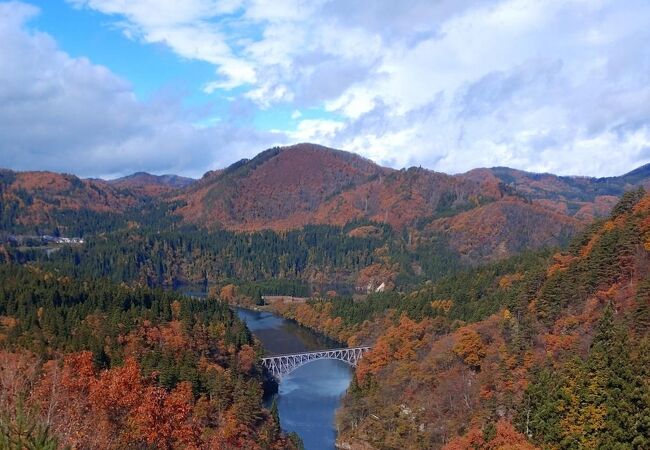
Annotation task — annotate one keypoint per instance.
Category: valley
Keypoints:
(324, 225)
(503, 309)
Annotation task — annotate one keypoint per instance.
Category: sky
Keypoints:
(105, 88)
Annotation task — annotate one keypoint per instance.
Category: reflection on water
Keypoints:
(309, 396)
(308, 399)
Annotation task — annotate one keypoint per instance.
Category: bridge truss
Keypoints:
(281, 365)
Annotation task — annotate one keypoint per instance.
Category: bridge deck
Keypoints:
(314, 352)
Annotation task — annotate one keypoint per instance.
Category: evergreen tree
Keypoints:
(275, 414)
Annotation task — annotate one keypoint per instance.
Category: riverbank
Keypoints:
(307, 398)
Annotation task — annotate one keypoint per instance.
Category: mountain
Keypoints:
(478, 340)
(482, 214)
(503, 228)
(287, 187)
(148, 184)
(401, 198)
(280, 188)
(581, 197)
(31, 199)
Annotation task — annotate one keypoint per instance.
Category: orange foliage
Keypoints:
(643, 206)
(560, 262)
(365, 231)
(246, 359)
(505, 438)
(372, 276)
(55, 192)
(493, 231)
(443, 395)
(228, 292)
(232, 435)
(507, 280)
(119, 408)
(117, 391)
(279, 193)
(171, 335)
(164, 419)
(317, 317)
(6, 324)
(17, 373)
(399, 343)
(470, 347)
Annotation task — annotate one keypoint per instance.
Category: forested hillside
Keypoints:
(548, 351)
(484, 214)
(91, 364)
(317, 254)
(288, 187)
(151, 185)
(278, 189)
(363, 255)
(36, 203)
(580, 197)
(501, 229)
(489, 329)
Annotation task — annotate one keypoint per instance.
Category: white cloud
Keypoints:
(67, 114)
(453, 84)
(186, 28)
(520, 83)
(558, 85)
(316, 130)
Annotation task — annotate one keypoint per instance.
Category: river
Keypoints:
(309, 396)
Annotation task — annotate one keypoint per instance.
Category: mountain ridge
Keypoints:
(146, 177)
(148, 184)
(285, 188)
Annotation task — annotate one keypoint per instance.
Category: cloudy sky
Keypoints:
(109, 87)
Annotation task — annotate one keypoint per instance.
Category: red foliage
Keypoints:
(119, 408)
(164, 419)
(505, 438)
(55, 192)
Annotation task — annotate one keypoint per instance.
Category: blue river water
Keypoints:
(309, 396)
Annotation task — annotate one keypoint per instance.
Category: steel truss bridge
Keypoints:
(280, 365)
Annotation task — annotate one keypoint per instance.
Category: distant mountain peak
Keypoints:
(291, 186)
(637, 175)
(279, 188)
(142, 179)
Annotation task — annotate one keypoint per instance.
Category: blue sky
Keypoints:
(86, 33)
(109, 87)
(152, 69)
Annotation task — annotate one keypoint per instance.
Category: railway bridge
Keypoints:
(281, 365)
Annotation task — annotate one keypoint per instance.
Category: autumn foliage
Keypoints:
(504, 437)
(563, 364)
(121, 408)
(186, 377)
(470, 347)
